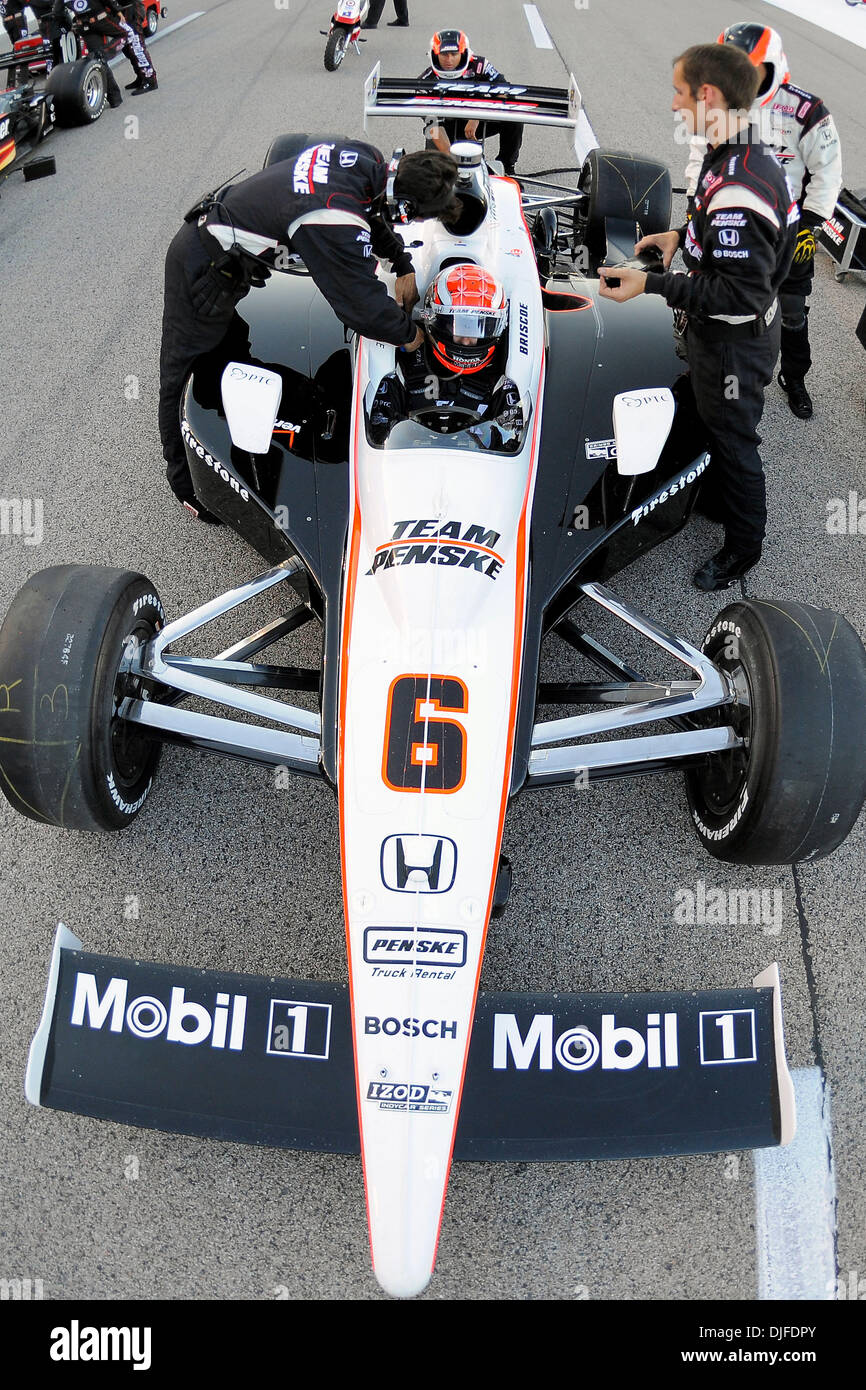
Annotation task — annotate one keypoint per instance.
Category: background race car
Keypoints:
(26, 118)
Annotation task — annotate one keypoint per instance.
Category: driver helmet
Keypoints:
(465, 313)
(450, 41)
(761, 45)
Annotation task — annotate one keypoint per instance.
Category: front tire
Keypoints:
(335, 48)
(795, 789)
(66, 758)
(79, 90)
(152, 21)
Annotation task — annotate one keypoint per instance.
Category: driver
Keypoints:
(454, 377)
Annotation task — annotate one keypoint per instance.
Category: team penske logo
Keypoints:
(312, 167)
(428, 541)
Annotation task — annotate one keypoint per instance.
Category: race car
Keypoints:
(435, 562)
(26, 118)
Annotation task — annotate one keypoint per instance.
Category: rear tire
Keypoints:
(335, 49)
(282, 147)
(152, 21)
(66, 758)
(80, 91)
(797, 787)
(624, 187)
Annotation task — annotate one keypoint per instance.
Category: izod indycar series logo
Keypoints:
(147, 1017)
(407, 1095)
(431, 542)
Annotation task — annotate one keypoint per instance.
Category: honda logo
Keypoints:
(729, 237)
(418, 863)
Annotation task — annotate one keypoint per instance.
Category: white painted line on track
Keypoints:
(178, 24)
(845, 21)
(536, 27)
(795, 1200)
(161, 34)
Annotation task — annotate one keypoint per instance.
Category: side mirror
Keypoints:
(251, 398)
(641, 424)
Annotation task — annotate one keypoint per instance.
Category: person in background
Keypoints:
(401, 10)
(452, 60)
(801, 131)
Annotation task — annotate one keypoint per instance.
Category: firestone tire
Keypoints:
(65, 758)
(794, 791)
(80, 91)
(281, 147)
(625, 188)
(335, 49)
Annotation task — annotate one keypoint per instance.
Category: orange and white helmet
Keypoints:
(760, 45)
(465, 313)
(450, 41)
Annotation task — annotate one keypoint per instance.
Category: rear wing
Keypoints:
(546, 106)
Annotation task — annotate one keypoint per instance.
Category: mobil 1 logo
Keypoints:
(297, 1028)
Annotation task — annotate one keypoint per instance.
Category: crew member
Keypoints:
(401, 10)
(103, 21)
(454, 380)
(452, 60)
(737, 248)
(323, 202)
(803, 134)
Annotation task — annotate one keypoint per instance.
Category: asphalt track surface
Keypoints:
(230, 871)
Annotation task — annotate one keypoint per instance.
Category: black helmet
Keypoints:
(760, 45)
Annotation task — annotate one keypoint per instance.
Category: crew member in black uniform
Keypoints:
(452, 60)
(102, 21)
(374, 14)
(324, 202)
(737, 248)
(454, 380)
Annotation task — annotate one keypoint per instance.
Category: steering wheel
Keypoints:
(471, 416)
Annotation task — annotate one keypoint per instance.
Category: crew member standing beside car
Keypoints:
(323, 200)
(452, 60)
(102, 21)
(803, 134)
(737, 248)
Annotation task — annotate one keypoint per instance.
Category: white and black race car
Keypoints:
(435, 563)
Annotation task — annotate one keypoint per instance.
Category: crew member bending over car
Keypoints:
(737, 248)
(458, 367)
(798, 126)
(324, 202)
(452, 60)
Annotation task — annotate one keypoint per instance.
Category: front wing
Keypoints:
(550, 1076)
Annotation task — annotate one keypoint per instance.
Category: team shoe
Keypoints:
(398, 24)
(798, 397)
(720, 571)
(147, 84)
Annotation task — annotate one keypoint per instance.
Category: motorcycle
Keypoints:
(345, 28)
